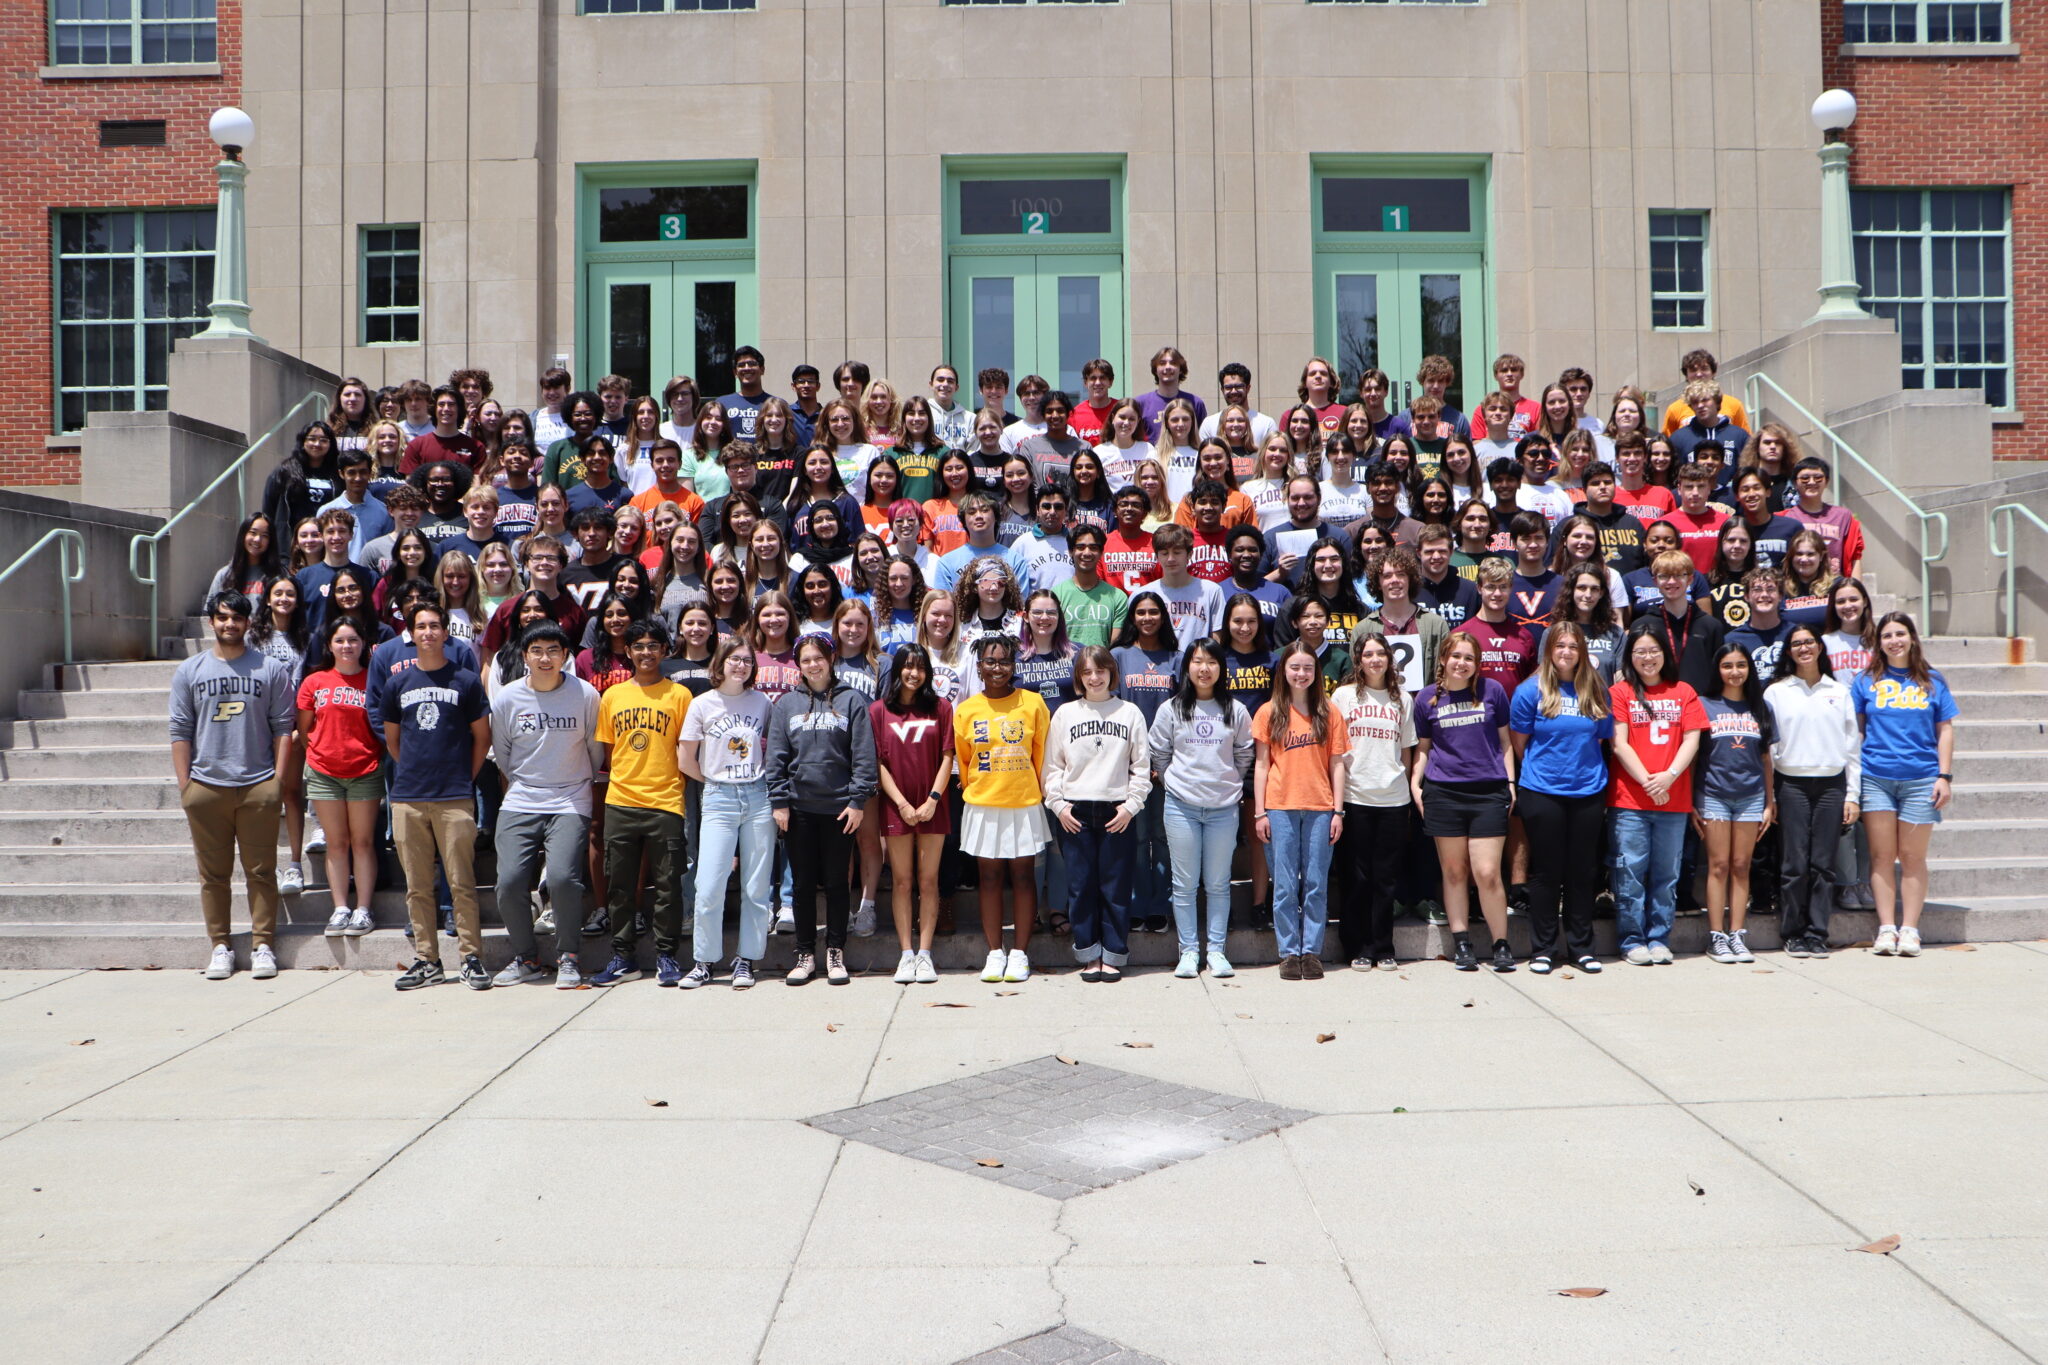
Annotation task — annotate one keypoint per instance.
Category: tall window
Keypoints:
(1924, 21)
(1938, 263)
(1678, 269)
(390, 289)
(127, 32)
(129, 283)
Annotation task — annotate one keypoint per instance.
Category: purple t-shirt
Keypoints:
(1152, 405)
(1463, 733)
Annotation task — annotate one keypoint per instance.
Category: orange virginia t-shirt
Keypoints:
(1298, 775)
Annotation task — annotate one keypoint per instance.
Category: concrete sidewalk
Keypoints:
(318, 1168)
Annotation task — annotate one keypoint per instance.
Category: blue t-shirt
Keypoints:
(1564, 756)
(517, 514)
(1731, 753)
(1051, 676)
(1248, 678)
(433, 712)
(1765, 647)
(1272, 599)
(1899, 719)
(1146, 677)
(1533, 599)
(583, 498)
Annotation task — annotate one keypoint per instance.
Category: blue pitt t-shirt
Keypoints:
(1899, 719)
(1564, 756)
(433, 711)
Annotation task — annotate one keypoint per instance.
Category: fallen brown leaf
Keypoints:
(1580, 1293)
(1959, 948)
(656, 1104)
(1764, 971)
(1864, 943)
(1064, 1060)
(1564, 976)
(1244, 1016)
(1326, 1037)
(988, 1161)
(85, 1042)
(1137, 1045)
(831, 1028)
(1883, 1246)
(152, 968)
(1466, 1005)
(946, 1005)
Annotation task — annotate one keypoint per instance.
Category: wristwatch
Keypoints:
(1945, 777)
(937, 794)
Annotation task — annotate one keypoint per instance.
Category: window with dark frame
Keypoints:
(390, 284)
(132, 32)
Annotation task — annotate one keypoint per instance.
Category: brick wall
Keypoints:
(50, 159)
(1979, 121)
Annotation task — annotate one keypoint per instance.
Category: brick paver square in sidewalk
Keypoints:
(1062, 1346)
(1057, 1129)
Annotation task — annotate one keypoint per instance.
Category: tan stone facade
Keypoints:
(473, 120)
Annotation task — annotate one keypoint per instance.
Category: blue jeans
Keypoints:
(733, 816)
(1201, 840)
(1647, 848)
(1151, 870)
(1300, 859)
(1099, 884)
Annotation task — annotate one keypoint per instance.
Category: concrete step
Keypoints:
(84, 764)
(2001, 736)
(21, 830)
(150, 734)
(1963, 880)
(1992, 838)
(1944, 650)
(1988, 705)
(183, 944)
(137, 673)
(1994, 677)
(141, 702)
(119, 793)
(1998, 768)
(83, 904)
(178, 646)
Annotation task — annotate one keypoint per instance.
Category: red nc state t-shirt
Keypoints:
(341, 743)
(1507, 652)
(1657, 724)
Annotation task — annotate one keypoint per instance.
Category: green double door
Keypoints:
(1037, 314)
(1387, 310)
(650, 321)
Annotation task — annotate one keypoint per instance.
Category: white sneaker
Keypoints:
(1909, 943)
(359, 922)
(1887, 942)
(1638, 956)
(992, 970)
(906, 968)
(568, 974)
(863, 925)
(1190, 965)
(926, 972)
(1219, 965)
(544, 922)
(1018, 967)
(263, 963)
(785, 920)
(292, 880)
(337, 923)
(316, 838)
(1660, 953)
(221, 965)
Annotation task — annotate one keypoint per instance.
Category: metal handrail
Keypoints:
(69, 543)
(1753, 392)
(2012, 563)
(236, 469)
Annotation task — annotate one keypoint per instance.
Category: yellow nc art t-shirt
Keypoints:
(1001, 748)
(642, 725)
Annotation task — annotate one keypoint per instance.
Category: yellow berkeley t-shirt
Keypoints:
(1001, 745)
(642, 725)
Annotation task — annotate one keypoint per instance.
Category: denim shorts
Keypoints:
(1911, 797)
(1714, 808)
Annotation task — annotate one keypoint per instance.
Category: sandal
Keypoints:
(1110, 973)
(1058, 925)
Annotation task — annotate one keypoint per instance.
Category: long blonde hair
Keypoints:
(1586, 682)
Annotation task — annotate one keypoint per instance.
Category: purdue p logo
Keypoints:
(228, 710)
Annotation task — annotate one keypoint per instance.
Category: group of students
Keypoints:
(1078, 654)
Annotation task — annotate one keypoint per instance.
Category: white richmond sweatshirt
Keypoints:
(1098, 751)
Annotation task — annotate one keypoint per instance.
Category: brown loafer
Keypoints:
(1290, 969)
(1311, 967)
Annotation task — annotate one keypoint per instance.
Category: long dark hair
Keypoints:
(924, 701)
(294, 466)
(1265, 638)
(1128, 635)
(602, 656)
(397, 575)
(239, 563)
(511, 660)
(299, 633)
(326, 642)
(1752, 688)
(365, 615)
(1601, 619)
(1184, 697)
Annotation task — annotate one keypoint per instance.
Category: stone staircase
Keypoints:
(96, 869)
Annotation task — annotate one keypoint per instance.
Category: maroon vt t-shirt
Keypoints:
(430, 448)
(1507, 652)
(911, 747)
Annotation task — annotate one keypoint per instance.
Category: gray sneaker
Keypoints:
(518, 972)
(1721, 951)
(568, 974)
(742, 974)
(1660, 953)
(1638, 956)
(700, 975)
(1738, 947)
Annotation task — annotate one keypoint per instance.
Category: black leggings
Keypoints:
(819, 850)
(1372, 843)
(1564, 855)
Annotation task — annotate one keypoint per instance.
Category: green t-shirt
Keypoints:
(1094, 615)
(920, 471)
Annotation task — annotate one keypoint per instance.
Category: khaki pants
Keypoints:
(420, 828)
(224, 820)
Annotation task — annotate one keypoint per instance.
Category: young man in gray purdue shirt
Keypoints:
(231, 720)
(544, 738)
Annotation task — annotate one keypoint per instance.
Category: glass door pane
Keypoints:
(1080, 316)
(715, 319)
(632, 328)
(1080, 327)
(994, 344)
(1444, 290)
(994, 315)
(1356, 310)
(629, 315)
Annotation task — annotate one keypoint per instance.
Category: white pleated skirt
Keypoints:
(1003, 831)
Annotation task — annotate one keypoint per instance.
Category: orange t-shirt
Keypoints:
(682, 497)
(1298, 772)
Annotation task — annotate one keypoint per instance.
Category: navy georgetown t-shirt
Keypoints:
(433, 711)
